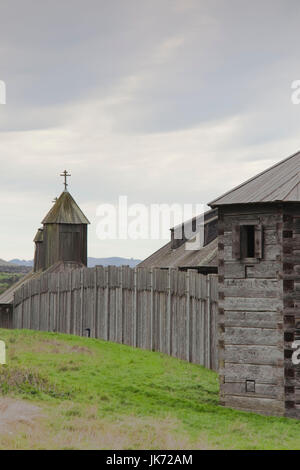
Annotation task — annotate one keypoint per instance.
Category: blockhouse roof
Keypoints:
(280, 182)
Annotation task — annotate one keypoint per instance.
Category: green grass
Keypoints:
(114, 383)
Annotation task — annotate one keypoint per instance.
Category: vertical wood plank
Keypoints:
(151, 310)
(134, 338)
(168, 322)
(188, 315)
(208, 306)
(95, 332)
(81, 302)
(106, 294)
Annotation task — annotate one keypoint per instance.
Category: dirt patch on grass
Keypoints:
(74, 427)
(15, 412)
(58, 347)
(81, 350)
(47, 345)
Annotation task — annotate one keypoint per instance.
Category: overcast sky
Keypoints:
(165, 101)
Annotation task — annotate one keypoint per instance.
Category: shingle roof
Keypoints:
(204, 217)
(281, 182)
(181, 254)
(65, 211)
(166, 257)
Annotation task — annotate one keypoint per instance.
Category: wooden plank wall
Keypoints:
(6, 317)
(161, 310)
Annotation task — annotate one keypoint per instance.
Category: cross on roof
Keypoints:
(65, 175)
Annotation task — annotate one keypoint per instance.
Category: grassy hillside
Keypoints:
(8, 279)
(95, 394)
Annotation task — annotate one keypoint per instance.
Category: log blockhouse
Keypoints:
(259, 291)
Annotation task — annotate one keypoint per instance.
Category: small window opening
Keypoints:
(250, 385)
(297, 226)
(247, 241)
(194, 225)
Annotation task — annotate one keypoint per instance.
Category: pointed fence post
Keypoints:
(95, 333)
(169, 314)
(187, 315)
(208, 306)
(106, 303)
(151, 310)
(57, 313)
(23, 308)
(134, 340)
(81, 301)
(119, 307)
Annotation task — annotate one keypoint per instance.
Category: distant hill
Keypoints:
(9, 267)
(21, 262)
(4, 263)
(114, 261)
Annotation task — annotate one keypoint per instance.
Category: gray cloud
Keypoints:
(162, 101)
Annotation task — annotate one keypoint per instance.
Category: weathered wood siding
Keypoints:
(6, 316)
(39, 258)
(162, 310)
(64, 242)
(291, 304)
(250, 312)
(51, 244)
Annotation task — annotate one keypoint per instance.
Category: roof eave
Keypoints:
(66, 223)
(249, 203)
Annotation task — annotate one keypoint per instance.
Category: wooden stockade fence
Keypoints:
(161, 310)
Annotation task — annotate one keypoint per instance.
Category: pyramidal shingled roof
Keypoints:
(280, 182)
(65, 211)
